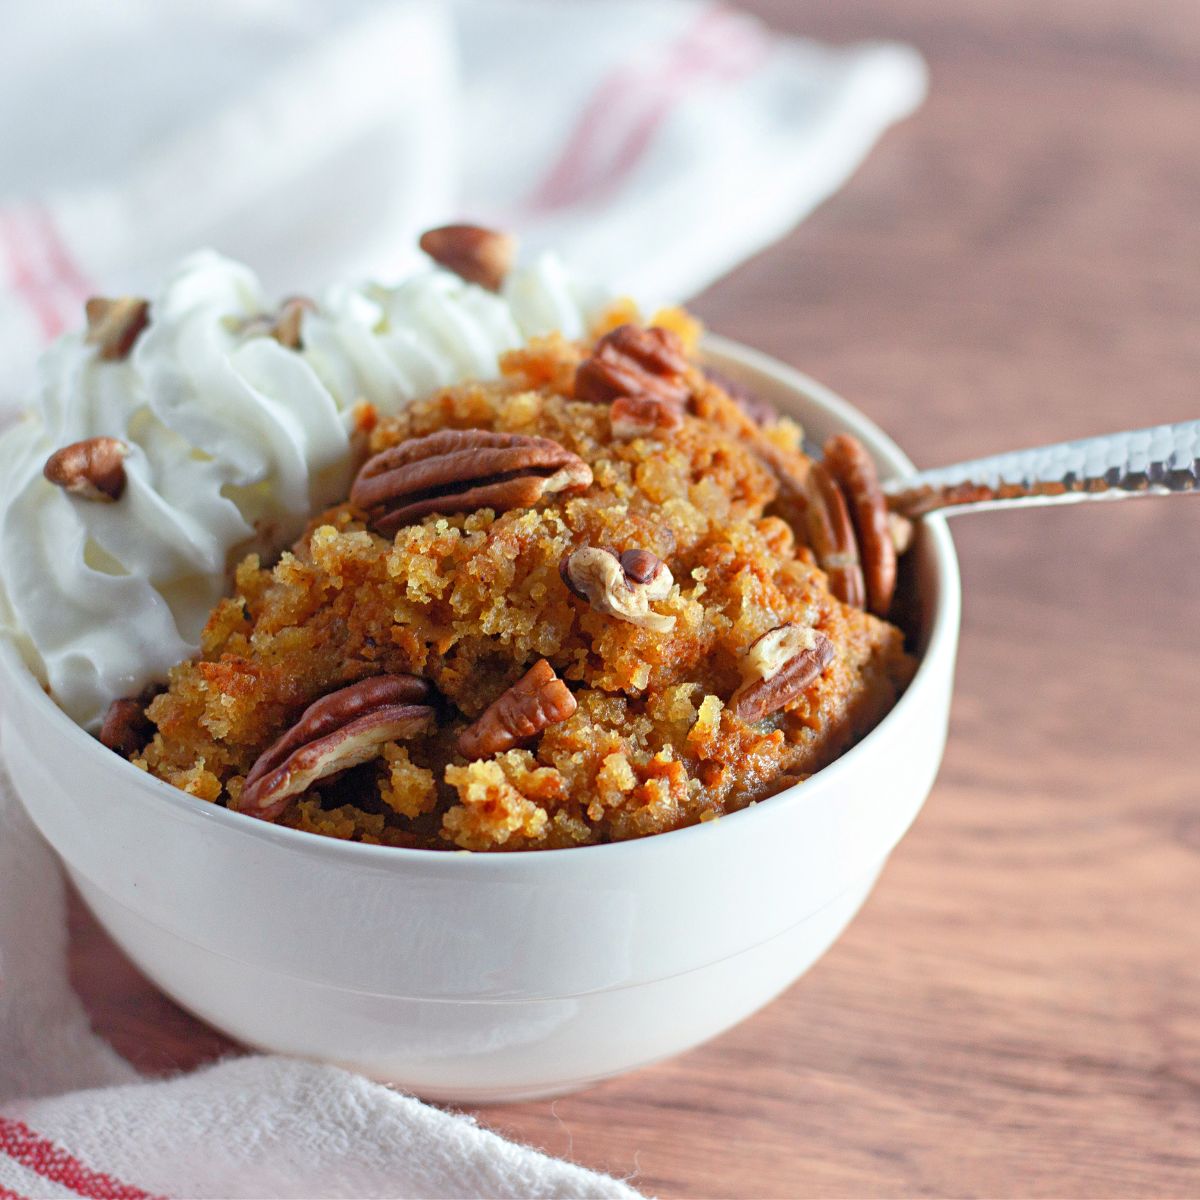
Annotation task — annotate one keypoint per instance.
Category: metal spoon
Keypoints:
(1163, 460)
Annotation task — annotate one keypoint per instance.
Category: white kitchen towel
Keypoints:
(655, 143)
(278, 1128)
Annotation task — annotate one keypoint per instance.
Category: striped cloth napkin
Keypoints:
(654, 143)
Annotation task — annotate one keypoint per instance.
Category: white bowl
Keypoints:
(494, 976)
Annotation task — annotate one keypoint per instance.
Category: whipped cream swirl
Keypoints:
(234, 441)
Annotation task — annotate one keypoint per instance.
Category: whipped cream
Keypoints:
(234, 441)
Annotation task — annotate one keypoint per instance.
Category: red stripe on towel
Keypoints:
(24, 278)
(42, 271)
(717, 53)
(718, 44)
(63, 267)
(52, 1162)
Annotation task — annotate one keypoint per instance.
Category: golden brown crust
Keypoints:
(470, 601)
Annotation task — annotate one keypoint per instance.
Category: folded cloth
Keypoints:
(653, 142)
(284, 1128)
(255, 1126)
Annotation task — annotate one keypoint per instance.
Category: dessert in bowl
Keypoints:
(498, 974)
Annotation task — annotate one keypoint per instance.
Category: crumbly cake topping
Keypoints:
(622, 627)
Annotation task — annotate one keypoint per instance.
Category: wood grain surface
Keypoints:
(1016, 1012)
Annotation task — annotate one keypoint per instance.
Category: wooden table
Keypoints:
(1015, 1012)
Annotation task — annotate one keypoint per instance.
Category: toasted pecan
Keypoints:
(461, 470)
(644, 416)
(283, 325)
(778, 666)
(620, 586)
(126, 727)
(853, 470)
(537, 700)
(93, 469)
(635, 361)
(478, 255)
(831, 536)
(641, 566)
(114, 325)
(339, 731)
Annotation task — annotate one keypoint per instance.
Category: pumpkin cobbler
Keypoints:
(597, 599)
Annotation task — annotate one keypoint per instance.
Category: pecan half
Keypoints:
(644, 416)
(341, 730)
(777, 667)
(92, 470)
(478, 255)
(634, 361)
(114, 325)
(461, 470)
(537, 700)
(126, 727)
(853, 469)
(282, 325)
(831, 536)
(621, 587)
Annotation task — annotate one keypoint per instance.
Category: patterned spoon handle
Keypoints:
(1161, 461)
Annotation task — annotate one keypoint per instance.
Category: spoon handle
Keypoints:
(1161, 461)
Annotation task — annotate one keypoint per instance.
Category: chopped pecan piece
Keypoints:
(644, 416)
(847, 461)
(634, 361)
(478, 255)
(92, 470)
(538, 699)
(461, 470)
(640, 566)
(341, 730)
(831, 536)
(777, 667)
(283, 325)
(126, 727)
(114, 325)
(621, 587)
(901, 530)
